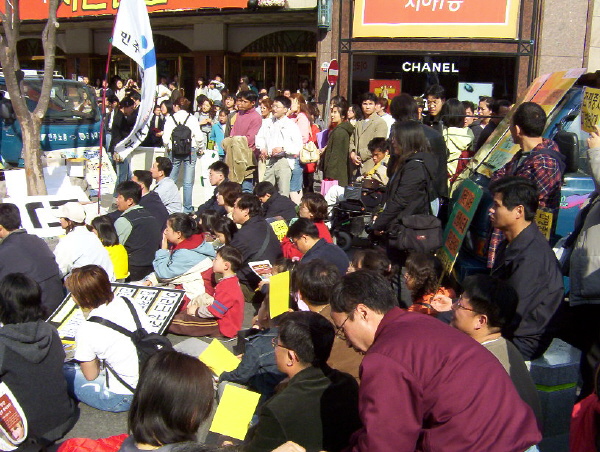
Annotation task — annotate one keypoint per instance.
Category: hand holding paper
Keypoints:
(218, 358)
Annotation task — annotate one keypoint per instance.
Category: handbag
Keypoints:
(418, 233)
(309, 153)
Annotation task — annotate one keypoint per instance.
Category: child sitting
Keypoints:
(379, 148)
(223, 314)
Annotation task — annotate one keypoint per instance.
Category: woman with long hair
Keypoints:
(201, 88)
(205, 114)
(335, 156)
(411, 188)
(458, 137)
(423, 277)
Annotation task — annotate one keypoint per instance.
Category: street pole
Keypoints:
(327, 108)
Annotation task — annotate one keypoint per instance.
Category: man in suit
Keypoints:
(319, 407)
(372, 126)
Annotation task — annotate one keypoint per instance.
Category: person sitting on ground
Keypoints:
(319, 407)
(314, 207)
(486, 306)
(255, 240)
(423, 278)
(104, 228)
(314, 281)
(183, 258)
(227, 193)
(218, 172)
(165, 186)
(374, 260)
(110, 388)
(379, 148)
(138, 230)
(305, 236)
(274, 204)
(221, 313)
(80, 246)
(25, 253)
(150, 199)
(31, 360)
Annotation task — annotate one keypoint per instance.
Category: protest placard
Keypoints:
(590, 109)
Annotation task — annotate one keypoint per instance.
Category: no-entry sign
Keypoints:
(332, 72)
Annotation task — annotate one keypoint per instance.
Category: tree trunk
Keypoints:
(32, 155)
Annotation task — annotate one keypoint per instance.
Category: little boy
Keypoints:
(226, 308)
(379, 148)
(217, 132)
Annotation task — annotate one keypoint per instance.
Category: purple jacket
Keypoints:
(428, 387)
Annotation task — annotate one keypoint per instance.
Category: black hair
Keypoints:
(309, 335)
(184, 223)
(378, 262)
(342, 108)
(453, 113)
(378, 144)
(130, 190)
(426, 270)
(112, 99)
(264, 188)
(230, 191)
(126, 102)
(404, 108)
(496, 106)
(358, 113)
(20, 299)
(492, 297)
(383, 102)
(488, 101)
(366, 287)
(436, 91)
(226, 226)
(144, 176)
(315, 280)
(220, 167)
(232, 255)
(207, 219)
(408, 137)
(250, 202)
(169, 106)
(469, 104)
(517, 191)
(285, 101)
(10, 217)
(368, 96)
(338, 100)
(106, 231)
(135, 95)
(248, 95)
(303, 226)
(173, 397)
(316, 205)
(165, 165)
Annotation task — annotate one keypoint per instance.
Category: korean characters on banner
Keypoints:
(435, 5)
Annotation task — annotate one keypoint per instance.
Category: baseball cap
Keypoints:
(72, 211)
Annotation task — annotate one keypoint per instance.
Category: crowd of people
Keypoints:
(379, 352)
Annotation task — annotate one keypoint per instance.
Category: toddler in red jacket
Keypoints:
(227, 305)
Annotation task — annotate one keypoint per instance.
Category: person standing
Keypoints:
(182, 116)
(335, 155)
(372, 126)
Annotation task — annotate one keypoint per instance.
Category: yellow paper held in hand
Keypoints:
(279, 294)
(218, 358)
(234, 412)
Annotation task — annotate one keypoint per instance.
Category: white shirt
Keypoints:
(169, 195)
(81, 247)
(389, 120)
(198, 138)
(98, 341)
(162, 93)
(283, 133)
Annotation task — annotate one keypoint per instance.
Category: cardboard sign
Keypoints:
(544, 219)
(160, 304)
(234, 413)
(218, 358)
(279, 294)
(279, 226)
(590, 109)
(459, 222)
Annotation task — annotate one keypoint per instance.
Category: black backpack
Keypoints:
(181, 139)
(146, 344)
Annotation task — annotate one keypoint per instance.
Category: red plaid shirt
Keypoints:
(544, 170)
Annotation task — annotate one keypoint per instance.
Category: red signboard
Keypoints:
(36, 10)
(385, 88)
(333, 72)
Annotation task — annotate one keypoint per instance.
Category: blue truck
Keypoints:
(70, 128)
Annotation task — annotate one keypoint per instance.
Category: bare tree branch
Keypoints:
(49, 43)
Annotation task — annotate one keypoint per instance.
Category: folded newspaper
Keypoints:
(263, 269)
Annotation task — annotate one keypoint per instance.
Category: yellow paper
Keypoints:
(279, 294)
(590, 109)
(234, 412)
(218, 358)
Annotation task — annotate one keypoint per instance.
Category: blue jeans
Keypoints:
(189, 170)
(95, 393)
(296, 180)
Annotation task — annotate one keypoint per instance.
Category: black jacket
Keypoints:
(249, 239)
(318, 410)
(279, 206)
(407, 192)
(440, 150)
(212, 204)
(330, 253)
(485, 134)
(150, 201)
(25, 253)
(530, 267)
(151, 139)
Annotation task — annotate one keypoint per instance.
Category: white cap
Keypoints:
(72, 211)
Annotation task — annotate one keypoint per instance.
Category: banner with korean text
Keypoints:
(133, 36)
(436, 18)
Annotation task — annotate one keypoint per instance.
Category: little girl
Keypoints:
(104, 228)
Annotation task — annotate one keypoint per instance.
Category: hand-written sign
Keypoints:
(460, 220)
(543, 219)
(590, 109)
(160, 305)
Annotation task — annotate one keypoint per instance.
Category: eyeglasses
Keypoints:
(339, 330)
(275, 342)
(456, 305)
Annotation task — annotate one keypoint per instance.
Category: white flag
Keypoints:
(133, 35)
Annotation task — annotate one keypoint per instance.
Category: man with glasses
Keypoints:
(318, 409)
(425, 386)
(279, 141)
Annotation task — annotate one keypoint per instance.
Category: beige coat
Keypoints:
(364, 132)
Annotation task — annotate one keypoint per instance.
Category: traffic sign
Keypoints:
(332, 72)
